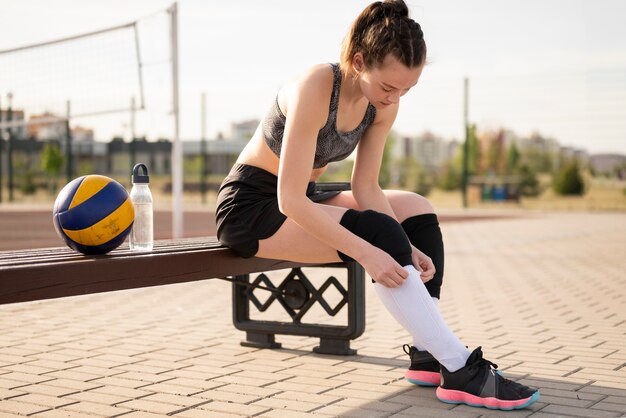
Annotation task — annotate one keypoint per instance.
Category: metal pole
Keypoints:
(139, 67)
(68, 143)
(10, 145)
(203, 156)
(133, 145)
(466, 144)
(177, 154)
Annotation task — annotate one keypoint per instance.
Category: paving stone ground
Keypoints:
(542, 293)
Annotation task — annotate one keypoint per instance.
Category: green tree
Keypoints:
(450, 177)
(85, 167)
(530, 182)
(539, 161)
(24, 174)
(473, 161)
(192, 166)
(52, 162)
(512, 158)
(28, 185)
(568, 180)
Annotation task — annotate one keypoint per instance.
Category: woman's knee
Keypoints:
(380, 230)
(408, 204)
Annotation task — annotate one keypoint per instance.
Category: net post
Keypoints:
(68, 142)
(133, 144)
(177, 155)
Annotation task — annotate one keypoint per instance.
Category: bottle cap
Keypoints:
(140, 178)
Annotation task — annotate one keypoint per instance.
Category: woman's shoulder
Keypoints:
(314, 85)
(317, 73)
(317, 79)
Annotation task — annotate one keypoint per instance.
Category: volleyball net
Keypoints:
(100, 77)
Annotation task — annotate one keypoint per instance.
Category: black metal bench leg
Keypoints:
(296, 294)
(255, 339)
(337, 347)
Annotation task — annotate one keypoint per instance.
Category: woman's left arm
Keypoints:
(365, 186)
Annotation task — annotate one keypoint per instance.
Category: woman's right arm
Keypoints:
(307, 110)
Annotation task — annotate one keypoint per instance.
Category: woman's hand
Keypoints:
(423, 264)
(383, 268)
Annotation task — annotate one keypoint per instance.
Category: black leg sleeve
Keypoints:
(424, 233)
(380, 230)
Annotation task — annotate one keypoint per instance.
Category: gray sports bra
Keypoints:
(332, 145)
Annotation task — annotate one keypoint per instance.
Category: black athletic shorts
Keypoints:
(247, 208)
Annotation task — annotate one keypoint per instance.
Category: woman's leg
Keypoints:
(422, 320)
(465, 378)
(417, 217)
(419, 221)
(293, 243)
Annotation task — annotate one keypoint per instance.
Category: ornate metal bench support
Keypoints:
(296, 294)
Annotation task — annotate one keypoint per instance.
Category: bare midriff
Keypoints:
(256, 153)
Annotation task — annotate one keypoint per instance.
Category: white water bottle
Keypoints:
(141, 235)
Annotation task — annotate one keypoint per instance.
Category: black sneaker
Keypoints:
(480, 384)
(424, 368)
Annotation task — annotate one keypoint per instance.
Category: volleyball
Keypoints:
(93, 214)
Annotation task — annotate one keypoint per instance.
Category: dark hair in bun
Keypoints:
(384, 28)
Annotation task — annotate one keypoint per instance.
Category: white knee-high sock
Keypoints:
(416, 344)
(412, 306)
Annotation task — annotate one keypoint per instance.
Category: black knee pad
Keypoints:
(380, 230)
(424, 233)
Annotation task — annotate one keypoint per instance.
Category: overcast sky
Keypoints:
(553, 66)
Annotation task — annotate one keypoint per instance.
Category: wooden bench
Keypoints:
(29, 275)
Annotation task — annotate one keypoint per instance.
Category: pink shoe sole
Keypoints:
(422, 378)
(458, 397)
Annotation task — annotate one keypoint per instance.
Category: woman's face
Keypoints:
(384, 85)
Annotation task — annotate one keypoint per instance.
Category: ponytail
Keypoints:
(384, 28)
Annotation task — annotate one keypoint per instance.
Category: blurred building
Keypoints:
(17, 116)
(46, 126)
(84, 135)
(538, 143)
(429, 150)
(607, 163)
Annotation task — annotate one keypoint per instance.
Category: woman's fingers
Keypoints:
(394, 278)
(427, 275)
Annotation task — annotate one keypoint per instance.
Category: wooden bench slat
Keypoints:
(22, 257)
(69, 274)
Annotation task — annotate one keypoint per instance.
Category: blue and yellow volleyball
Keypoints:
(93, 214)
